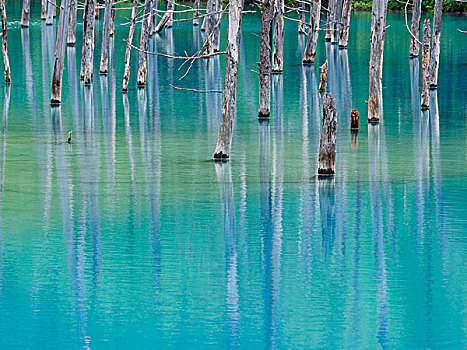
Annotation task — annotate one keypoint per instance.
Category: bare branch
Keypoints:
(462, 31)
(194, 90)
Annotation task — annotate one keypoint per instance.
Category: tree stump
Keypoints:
(354, 119)
(426, 65)
(323, 77)
(327, 143)
(312, 41)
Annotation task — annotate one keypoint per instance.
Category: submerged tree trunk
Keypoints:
(196, 13)
(106, 37)
(210, 24)
(301, 17)
(426, 65)
(336, 19)
(312, 41)
(43, 9)
(267, 13)
(224, 140)
(378, 31)
(71, 36)
(59, 58)
(217, 32)
(415, 28)
(126, 75)
(6, 60)
(88, 42)
(171, 9)
(153, 17)
(278, 37)
(25, 14)
(50, 13)
(145, 29)
(327, 143)
(344, 35)
(323, 77)
(434, 59)
(112, 19)
(332, 8)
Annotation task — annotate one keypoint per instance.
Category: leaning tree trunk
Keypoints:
(327, 143)
(426, 65)
(278, 37)
(126, 76)
(196, 13)
(145, 29)
(6, 60)
(88, 42)
(434, 59)
(59, 58)
(312, 41)
(301, 17)
(71, 37)
(344, 35)
(25, 14)
(332, 9)
(267, 13)
(378, 31)
(106, 37)
(224, 140)
(43, 9)
(210, 26)
(50, 13)
(415, 29)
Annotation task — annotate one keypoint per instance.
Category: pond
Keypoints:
(132, 237)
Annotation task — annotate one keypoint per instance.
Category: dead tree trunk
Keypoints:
(6, 60)
(378, 31)
(71, 37)
(170, 9)
(145, 29)
(50, 13)
(312, 41)
(415, 28)
(43, 9)
(153, 17)
(112, 19)
(210, 27)
(126, 75)
(435, 48)
(25, 14)
(332, 8)
(426, 64)
(336, 19)
(106, 37)
(59, 58)
(217, 32)
(301, 17)
(323, 77)
(278, 37)
(224, 140)
(196, 13)
(344, 35)
(88, 42)
(327, 143)
(267, 13)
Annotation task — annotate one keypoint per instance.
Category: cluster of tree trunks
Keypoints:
(426, 65)
(6, 60)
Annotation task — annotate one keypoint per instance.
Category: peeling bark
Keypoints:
(278, 37)
(106, 37)
(312, 41)
(145, 29)
(434, 59)
(196, 13)
(426, 65)
(126, 75)
(344, 35)
(415, 28)
(327, 143)
(71, 36)
(6, 60)
(88, 42)
(25, 13)
(323, 77)
(267, 13)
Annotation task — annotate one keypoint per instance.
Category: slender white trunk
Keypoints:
(415, 28)
(210, 27)
(267, 13)
(88, 42)
(6, 60)
(426, 65)
(301, 17)
(196, 13)
(126, 75)
(278, 37)
(25, 14)
(436, 44)
(50, 13)
(145, 29)
(106, 37)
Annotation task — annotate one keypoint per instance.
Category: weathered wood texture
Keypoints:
(415, 28)
(301, 18)
(312, 41)
(145, 29)
(435, 48)
(112, 19)
(378, 31)
(425, 103)
(323, 77)
(50, 14)
(217, 30)
(6, 60)
(87, 54)
(267, 13)
(354, 119)
(71, 36)
(106, 37)
(131, 31)
(278, 37)
(209, 27)
(166, 20)
(332, 9)
(43, 9)
(59, 56)
(25, 13)
(153, 17)
(344, 34)
(336, 19)
(224, 140)
(327, 143)
(196, 13)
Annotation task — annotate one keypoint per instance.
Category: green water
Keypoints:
(131, 237)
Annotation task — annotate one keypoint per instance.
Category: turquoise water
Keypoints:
(132, 237)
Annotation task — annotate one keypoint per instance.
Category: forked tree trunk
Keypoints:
(196, 13)
(43, 9)
(224, 140)
(50, 13)
(59, 58)
(435, 48)
(25, 14)
(126, 75)
(344, 35)
(378, 31)
(312, 41)
(6, 60)
(145, 29)
(301, 17)
(426, 64)
(278, 37)
(71, 36)
(88, 42)
(323, 78)
(327, 143)
(106, 37)
(267, 13)
(332, 8)
(415, 28)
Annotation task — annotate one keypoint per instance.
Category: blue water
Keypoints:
(131, 237)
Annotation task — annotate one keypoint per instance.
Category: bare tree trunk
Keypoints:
(171, 9)
(106, 37)
(217, 33)
(71, 37)
(267, 13)
(196, 13)
(336, 19)
(59, 58)
(145, 29)
(210, 27)
(426, 64)
(153, 17)
(312, 41)
(126, 75)
(378, 31)
(112, 19)
(327, 143)
(43, 9)
(278, 37)
(434, 59)
(323, 77)
(344, 35)
(6, 60)
(224, 140)
(415, 28)
(25, 14)
(301, 17)
(50, 13)
(88, 42)
(332, 8)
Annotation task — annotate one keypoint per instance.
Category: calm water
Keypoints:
(133, 238)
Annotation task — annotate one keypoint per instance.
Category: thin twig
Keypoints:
(462, 31)
(194, 90)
